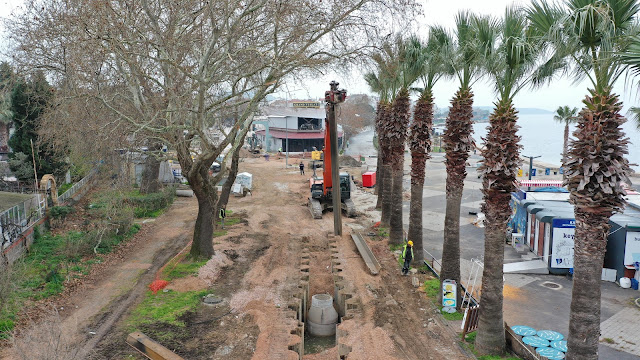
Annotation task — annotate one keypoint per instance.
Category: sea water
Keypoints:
(542, 136)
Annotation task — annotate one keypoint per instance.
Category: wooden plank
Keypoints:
(366, 253)
(150, 348)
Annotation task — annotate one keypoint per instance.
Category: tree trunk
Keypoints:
(385, 220)
(458, 143)
(151, 172)
(206, 193)
(420, 145)
(564, 149)
(596, 165)
(490, 338)
(415, 220)
(379, 180)
(501, 161)
(396, 231)
(451, 244)
(231, 178)
(584, 320)
(396, 132)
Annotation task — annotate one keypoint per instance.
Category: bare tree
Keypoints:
(170, 70)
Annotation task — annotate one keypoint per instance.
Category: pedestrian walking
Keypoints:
(407, 256)
(222, 215)
(301, 168)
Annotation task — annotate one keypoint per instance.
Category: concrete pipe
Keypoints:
(322, 317)
(184, 192)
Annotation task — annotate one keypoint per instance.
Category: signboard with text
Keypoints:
(306, 104)
(562, 248)
(632, 248)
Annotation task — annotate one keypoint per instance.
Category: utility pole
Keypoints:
(332, 98)
(531, 167)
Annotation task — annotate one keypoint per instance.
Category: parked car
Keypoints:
(215, 167)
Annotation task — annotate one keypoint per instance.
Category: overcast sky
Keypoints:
(560, 92)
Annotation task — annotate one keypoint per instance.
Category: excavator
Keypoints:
(322, 186)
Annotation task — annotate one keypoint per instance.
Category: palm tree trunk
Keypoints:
(500, 164)
(397, 134)
(584, 320)
(596, 164)
(415, 219)
(420, 145)
(490, 338)
(564, 149)
(396, 225)
(458, 143)
(387, 183)
(379, 179)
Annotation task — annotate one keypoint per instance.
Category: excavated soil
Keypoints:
(256, 270)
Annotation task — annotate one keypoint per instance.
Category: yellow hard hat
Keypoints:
(410, 243)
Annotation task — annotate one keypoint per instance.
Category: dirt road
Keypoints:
(256, 270)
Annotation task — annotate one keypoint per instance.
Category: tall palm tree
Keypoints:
(634, 113)
(464, 62)
(592, 35)
(385, 82)
(566, 116)
(432, 58)
(377, 85)
(510, 66)
(409, 69)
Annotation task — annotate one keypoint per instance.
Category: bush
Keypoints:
(150, 205)
(63, 188)
(60, 212)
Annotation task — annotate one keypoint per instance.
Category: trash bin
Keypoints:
(634, 284)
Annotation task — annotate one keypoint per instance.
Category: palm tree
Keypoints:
(566, 115)
(464, 63)
(592, 36)
(409, 53)
(510, 67)
(432, 60)
(385, 83)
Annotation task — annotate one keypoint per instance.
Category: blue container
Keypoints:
(634, 284)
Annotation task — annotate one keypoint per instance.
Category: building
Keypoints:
(303, 128)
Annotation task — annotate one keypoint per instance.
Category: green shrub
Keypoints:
(60, 212)
(150, 205)
(64, 187)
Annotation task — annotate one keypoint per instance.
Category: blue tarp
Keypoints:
(551, 189)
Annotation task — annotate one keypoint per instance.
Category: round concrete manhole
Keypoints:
(551, 285)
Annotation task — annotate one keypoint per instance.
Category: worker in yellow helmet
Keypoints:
(407, 256)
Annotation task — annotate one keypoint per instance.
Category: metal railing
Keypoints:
(17, 219)
(77, 186)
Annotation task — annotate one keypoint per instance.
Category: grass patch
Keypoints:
(394, 247)
(452, 317)
(609, 340)
(383, 232)
(432, 287)
(184, 268)
(165, 307)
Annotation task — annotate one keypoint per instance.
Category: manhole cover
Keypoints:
(551, 285)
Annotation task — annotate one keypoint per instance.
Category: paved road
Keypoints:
(529, 299)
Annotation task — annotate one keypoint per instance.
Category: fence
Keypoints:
(77, 186)
(15, 220)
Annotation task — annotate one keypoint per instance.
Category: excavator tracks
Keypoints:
(350, 208)
(316, 208)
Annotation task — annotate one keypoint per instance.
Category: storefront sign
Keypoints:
(562, 248)
(632, 248)
(306, 104)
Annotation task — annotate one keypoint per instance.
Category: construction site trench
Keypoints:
(266, 270)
